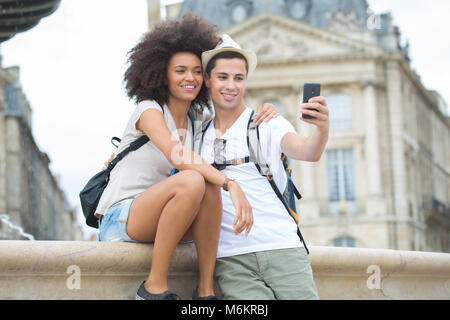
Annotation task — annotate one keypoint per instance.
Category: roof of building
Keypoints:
(226, 13)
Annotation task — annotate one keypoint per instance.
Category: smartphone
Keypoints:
(310, 90)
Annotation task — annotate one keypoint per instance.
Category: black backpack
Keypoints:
(291, 192)
(92, 192)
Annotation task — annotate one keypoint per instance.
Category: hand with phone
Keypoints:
(314, 109)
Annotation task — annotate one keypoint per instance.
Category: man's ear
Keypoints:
(207, 80)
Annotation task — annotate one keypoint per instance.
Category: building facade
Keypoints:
(384, 180)
(32, 204)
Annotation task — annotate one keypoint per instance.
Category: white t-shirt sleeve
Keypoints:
(271, 134)
(278, 128)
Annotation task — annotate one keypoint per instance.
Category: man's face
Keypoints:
(227, 83)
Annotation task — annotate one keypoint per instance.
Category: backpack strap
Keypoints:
(118, 140)
(288, 169)
(132, 147)
(191, 117)
(254, 147)
(256, 156)
(199, 136)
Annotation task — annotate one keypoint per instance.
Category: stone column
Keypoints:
(397, 156)
(13, 173)
(375, 205)
(372, 141)
(2, 152)
(154, 13)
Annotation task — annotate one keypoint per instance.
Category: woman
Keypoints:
(143, 202)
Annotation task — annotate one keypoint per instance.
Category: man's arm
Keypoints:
(309, 148)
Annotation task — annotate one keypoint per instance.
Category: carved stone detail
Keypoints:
(270, 43)
(344, 21)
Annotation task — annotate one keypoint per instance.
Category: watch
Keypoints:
(225, 183)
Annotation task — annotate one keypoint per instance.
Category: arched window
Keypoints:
(348, 242)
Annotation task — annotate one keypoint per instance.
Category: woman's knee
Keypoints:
(191, 182)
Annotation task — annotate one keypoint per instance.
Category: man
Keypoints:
(271, 261)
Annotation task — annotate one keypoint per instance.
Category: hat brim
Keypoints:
(250, 56)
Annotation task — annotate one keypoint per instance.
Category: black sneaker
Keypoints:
(196, 297)
(143, 294)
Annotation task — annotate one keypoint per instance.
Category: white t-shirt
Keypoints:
(142, 168)
(273, 227)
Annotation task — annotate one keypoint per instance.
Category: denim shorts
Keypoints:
(113, 226)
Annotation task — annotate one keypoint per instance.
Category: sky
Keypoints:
(72, 65)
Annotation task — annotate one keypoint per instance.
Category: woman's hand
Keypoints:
(244, 213)
(265, 113)
(106, 164)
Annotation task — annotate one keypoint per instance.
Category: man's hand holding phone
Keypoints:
(314, 109)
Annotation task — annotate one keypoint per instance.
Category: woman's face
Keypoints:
(184, 75)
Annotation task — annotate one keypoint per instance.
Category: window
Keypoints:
(298, 8)
(341, 182)
(340, 110)
(348, 242)
(240, 10)
(11, 98)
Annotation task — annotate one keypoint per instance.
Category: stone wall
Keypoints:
(30, 194)
(108, 270)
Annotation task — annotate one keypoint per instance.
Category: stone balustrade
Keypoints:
(99, 270)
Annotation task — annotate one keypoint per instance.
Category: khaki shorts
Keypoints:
(283, 274)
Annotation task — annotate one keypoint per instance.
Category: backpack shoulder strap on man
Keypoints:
(191, 117)
(199, 135)
(257, 157)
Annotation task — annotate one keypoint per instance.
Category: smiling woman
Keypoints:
(146, 78)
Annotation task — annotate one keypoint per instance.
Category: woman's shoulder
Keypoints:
(131, 131)
(148, 104)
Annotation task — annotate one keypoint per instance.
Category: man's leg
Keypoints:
(289, 274)
(239, 278)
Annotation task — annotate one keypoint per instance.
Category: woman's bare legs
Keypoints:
(165, 212)
(205, 232)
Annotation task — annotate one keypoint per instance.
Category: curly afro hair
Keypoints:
(146, 76)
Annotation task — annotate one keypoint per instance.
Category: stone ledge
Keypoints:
(40, 270)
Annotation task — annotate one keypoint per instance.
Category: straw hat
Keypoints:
(228, 44)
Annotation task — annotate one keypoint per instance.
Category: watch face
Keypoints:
(239, 13)
(299, 8)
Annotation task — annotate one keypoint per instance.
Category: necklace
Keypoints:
(181, 131)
